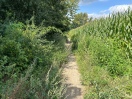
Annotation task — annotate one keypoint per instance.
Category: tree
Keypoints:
(51, 12)
(79, 20)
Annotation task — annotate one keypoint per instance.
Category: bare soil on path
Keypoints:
(72, 78)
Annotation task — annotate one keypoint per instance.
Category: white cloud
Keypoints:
(85, 2)
(113, 9)
(94, 15)
(119, 8)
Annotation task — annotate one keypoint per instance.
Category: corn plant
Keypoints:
(117, 26)
(104, 53)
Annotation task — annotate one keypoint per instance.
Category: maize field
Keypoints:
(103, 48)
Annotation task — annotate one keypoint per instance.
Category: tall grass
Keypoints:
(104, 52)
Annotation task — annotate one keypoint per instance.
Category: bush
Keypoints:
(26, 55)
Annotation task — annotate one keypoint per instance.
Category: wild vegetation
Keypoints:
(57, 13)
(103, 48)
(79, 20)
(26, 57)
(32, 50)
(32, 47)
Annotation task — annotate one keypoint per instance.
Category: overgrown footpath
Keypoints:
(103, 48)
(30, 60)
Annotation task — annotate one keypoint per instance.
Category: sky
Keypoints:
(99, 8)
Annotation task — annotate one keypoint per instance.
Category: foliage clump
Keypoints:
(29, 61)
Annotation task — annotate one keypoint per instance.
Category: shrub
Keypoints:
(26, 55)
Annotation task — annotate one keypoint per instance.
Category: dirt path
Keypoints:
(72, 79)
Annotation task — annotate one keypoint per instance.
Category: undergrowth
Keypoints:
(30, 62)
(103, 51)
